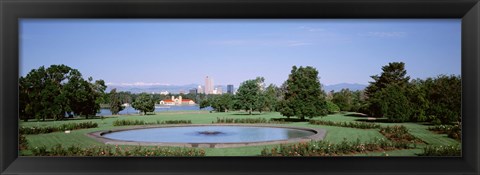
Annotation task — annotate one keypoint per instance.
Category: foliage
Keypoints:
(174, 122)
(303, 94)
(416, 94)
(57, 90)
(332, 108)
(128, 122)
(59, 150)
(267, 100)
(453, 131)
(248, 120)
(248, 94)
(220, 103)
(63, 127)
(394, 104)
(141, 122)
(444, 98)
(325, 148)
(449, 150)
(399, 133)
(144, 103)
(393, 74)
(115, 102)
(343, 99)
(22, 142)
(360, 125)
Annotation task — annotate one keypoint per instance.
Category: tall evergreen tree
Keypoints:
(393, 74)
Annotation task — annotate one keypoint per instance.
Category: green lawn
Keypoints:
(334, 134)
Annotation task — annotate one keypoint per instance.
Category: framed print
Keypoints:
(214, 87)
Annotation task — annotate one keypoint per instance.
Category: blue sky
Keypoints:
(168, 51)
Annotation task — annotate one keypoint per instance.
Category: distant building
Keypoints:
(219, 90)
(193, 91)
(164, 93)
(200, 90)
(208, 85)
(177, 101)
(230, 88)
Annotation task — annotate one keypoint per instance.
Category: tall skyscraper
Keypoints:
(230, 88)
(208, 85)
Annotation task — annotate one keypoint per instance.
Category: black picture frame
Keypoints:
(13, 10)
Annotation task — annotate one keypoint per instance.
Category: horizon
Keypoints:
(182, 52)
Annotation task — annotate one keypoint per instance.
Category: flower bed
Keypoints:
(141, 122)
(247, 120)
(58, 150)
(399, 134)
(360, 125)
(325, 148)
(63, 127)
(453, 131)
(451, 150)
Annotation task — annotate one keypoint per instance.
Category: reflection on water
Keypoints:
(229, 134)
(130, 110)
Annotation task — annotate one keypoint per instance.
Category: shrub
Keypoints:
(248, 120)
(399, 134)
(174, 122)
(453, 131)
(22, 142)
(63, 127)
(325, 148)
(128, 122)
(361, 125)
(332, 108)
(141, 122)
(59, 150)
(450, 150)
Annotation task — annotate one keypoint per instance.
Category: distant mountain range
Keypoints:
(186, 88)
(154, 88)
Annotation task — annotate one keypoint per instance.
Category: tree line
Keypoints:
(59, 90)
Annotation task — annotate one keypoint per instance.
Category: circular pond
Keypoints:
(209, 135)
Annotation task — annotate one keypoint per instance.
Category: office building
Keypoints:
(230, 88)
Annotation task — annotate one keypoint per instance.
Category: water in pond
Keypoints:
(208, 134)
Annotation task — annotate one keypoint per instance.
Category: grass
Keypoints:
(334, 134)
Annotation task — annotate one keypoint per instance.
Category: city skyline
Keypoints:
(180, 52)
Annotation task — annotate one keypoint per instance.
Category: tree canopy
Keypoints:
(249, 92)
(53, 92)
(303, 94)
(144, 103)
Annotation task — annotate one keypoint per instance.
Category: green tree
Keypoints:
(303, 95)
(271, 99)
(343, 99)
(393, 74)
(115, 102)
(55, 91)
(394, 104)
(332, 108)
(248, 94)
(417, 95)
(444, 98)
(144, 103)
